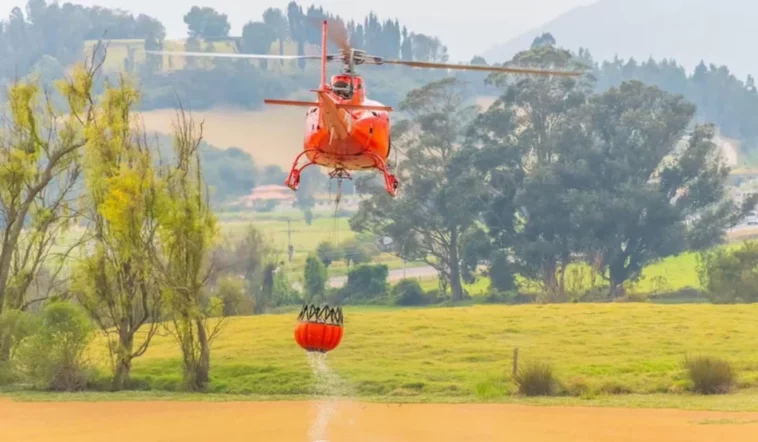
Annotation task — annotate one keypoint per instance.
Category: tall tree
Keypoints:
(296, 18)
(275, 18)
(257, 38)
(154, 34)
(442, 193)
(406, 47)
(39, 169)
(528, 208)
(648, 198)
(187, 231)
(117, 281)
(206, 23)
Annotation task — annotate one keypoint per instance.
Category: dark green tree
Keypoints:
(520, 135)
(206, 23)
(276, 20)
(440, 199)
(643, 198)
(315, 278)
(295, 18)
(257, 38)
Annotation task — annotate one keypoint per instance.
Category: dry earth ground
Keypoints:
(359, 422)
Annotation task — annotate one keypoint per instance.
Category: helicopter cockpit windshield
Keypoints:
(341, 88)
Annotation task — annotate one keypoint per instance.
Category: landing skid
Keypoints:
(293, 179)
(390, 181)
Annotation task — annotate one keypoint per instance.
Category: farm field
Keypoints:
(464, 354)
(349, 422)
(671, 274)
(273, 136)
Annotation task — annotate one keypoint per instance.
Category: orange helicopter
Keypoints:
(344, 129)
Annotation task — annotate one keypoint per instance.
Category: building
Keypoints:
(267, 196)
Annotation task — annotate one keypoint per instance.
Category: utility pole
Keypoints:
(290, 249)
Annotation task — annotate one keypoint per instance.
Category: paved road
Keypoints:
(394, 275)
(429, 272)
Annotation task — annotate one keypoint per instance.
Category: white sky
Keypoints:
(467, 27)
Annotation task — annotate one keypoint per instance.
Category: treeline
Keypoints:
(552, 178)
(721, 98)
(60, 31)
(385, 38)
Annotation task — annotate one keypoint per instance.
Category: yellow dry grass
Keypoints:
(271, 136)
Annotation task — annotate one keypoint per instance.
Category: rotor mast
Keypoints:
(323, 55)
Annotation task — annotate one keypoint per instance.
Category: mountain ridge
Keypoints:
(687, 31)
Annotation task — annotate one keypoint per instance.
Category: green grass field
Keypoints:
(465, 353)
(668, 275)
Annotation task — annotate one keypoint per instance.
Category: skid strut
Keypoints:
(390, 181)
(293, 179)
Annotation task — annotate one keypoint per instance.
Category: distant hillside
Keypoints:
(716, 31)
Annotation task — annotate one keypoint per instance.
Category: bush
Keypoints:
(53, 358)
(366, 283)
(16, 326)
(728, 275)
(536, 379)
(408, 292)
(327, 252)
(709, 375)
(315, 277)
(497, 297)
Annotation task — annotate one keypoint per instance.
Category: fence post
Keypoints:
(515, 361)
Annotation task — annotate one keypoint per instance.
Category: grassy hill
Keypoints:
(465, 353)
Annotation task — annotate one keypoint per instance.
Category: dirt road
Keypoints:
(358, 422)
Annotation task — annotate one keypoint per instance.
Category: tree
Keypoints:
(154, 34)
(730, 276)
(645, 198)
(315, 278)
(426, 48)
(546, 39)
(187, 231)
(39, 169)
(276, 20)
(206, 23)
(117, 281)
(257, 38)
(442, 195)
(256, 259)
(328, 252)
(295, 18)
(406, 47)
(519, 136)
(358, 250)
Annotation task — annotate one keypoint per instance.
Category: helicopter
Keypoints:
(344, 129)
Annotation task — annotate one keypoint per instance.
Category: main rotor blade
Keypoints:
(236, 55)
(473, 67)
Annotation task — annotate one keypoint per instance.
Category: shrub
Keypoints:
(497, 297)
(366, 283)
(614, 388)
(709, 375)
(408, 292)
(53, 358)
(535, 379)
(728, 275)
(327, 252)
(315, 277)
